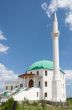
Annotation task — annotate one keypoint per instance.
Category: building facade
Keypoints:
(43, 79)
(38, 80)
(11, 85)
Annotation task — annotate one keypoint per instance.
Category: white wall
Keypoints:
(44, 78)
(63, 87)
(59, 89)
(13, 84)
(30, 94)
(48, 89)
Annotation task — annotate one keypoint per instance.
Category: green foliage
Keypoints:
(27, 102)
(69, 101)
(43, 103)
(15, 105)
(9, 105)
(25, 105)
(34, 103)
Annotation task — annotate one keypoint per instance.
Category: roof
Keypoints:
(28, 75)
(43, 64)
(5, 93)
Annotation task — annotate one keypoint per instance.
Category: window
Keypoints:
(37, 94)
(37, 72)
(45, 83)
(45, 94)
(21, 85)
(45, 73)
(30, 72)
(6, 87)
(11, 87)
(39, 84)
(15, 86)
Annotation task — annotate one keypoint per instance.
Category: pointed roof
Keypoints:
(55, 17)
(55, 24)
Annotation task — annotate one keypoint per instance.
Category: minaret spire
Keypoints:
(56, 72)
(55, 25)
(55, 45)
(55, 18)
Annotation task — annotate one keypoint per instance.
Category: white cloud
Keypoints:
(6, 75)
(68, 20)
(68, 76)
(3, 49)
(60, 4)
(2, 37)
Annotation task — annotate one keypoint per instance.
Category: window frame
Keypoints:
(37, 94)
(37, 72)
(46, 84)
(16, 86)
(21, 85)
(46, 73)
(45, 94)
(11, 87)
(6, 87)
(39, 84)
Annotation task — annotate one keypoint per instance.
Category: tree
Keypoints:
(10, 104)
(43, 103)
(15, 105)
(23, 103)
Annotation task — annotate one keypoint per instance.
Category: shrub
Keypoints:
(34, 103)
(69, 101)
(10, 104)
(43, 103)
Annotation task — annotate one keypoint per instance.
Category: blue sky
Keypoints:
(27, 30)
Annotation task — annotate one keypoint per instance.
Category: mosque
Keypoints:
(43, 80)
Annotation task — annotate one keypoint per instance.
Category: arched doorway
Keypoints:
(31, 83)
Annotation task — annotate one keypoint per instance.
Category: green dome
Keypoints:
(43, 64)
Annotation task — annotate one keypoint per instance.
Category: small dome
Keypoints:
(43, 64)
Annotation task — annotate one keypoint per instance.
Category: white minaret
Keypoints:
(56, 89)
(56, 46)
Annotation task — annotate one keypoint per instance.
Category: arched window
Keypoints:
(31, 83)
(30, 72)
(15, 86)
(37, 94)
(45, 83)
(45, 73)
(21, 85)
(11, 87)
(37, 72)
(39, 84)
(45, 95)
(6, 87)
